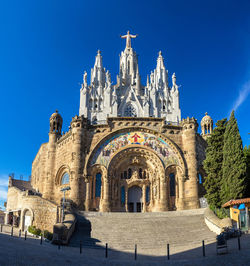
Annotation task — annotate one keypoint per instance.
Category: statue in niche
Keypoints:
(85, 79)
(175, 86)
(155, 191)
(108, 78)
(135, 174)
(152, 77)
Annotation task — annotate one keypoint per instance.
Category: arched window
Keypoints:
(121, 175)
(122, 195)
(125, 175)
(144, 174)
(130, 110)
(129, 173)
(98, 184)
(65, 179)
(148, 194)
(140, 173)
(172, 184)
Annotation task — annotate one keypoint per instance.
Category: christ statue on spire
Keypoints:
(128, 37)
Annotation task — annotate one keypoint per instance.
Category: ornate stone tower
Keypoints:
(190, 126)
(77, 160)
(206, 126)
(54, 133)
(129, 98)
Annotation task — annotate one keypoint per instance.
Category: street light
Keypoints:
(64, 189)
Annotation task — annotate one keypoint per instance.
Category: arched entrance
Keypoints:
(135, 199)
(27, 219)
(136, 158)
(136, 179)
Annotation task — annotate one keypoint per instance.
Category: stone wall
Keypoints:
(43, 212)
(71, 153)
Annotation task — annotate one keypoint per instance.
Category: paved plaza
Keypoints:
(17, 251)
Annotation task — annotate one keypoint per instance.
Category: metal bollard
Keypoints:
(203, 248)
(80, 247)
(168, 251)
(106, 251)
(1, 228)
(239, 243)
(11, 233)
(135, 251)
(41, 240)
(25, 235)
(20, 233)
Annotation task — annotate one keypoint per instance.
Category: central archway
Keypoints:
(136, 177)
(136, 157)
(135, 199)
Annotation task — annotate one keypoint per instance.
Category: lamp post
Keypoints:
(64, 189)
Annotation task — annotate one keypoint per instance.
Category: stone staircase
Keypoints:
(147, 230)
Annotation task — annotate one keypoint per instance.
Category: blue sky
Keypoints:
(45, 46)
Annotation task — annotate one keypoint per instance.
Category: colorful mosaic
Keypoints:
(112, 145)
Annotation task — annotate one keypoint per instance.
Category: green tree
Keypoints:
(234, 163)
(247, 156)
(213, 164)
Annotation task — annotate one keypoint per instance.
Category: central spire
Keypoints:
(128, 37)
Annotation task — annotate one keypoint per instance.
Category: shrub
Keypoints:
(33, 230)
(48, 235)
(221, 212)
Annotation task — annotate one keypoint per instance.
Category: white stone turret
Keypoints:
(129, 97)
(98, 72)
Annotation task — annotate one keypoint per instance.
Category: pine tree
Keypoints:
(213, 164)
(234, 163)
(247, 156)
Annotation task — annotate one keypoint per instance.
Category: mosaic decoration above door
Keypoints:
(112, 145)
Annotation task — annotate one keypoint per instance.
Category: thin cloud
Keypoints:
(3, 193)
(4, 180)
(243, 94)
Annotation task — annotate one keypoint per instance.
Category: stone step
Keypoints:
(147, 230)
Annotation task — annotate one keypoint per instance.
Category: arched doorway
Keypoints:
(27, 219)
(135, 199)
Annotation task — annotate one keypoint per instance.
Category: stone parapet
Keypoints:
(62, 232)
(214, 223)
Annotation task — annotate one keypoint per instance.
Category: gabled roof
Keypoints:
(236, 202)
(21, 184)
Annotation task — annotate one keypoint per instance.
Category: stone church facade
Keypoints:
(128, 149)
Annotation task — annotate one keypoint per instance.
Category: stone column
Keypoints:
(163, 195)
(87, 200)
(144, 198)
(6, 217)
(189, 147)
(181, 192)
(126, 198)
(105, 204)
